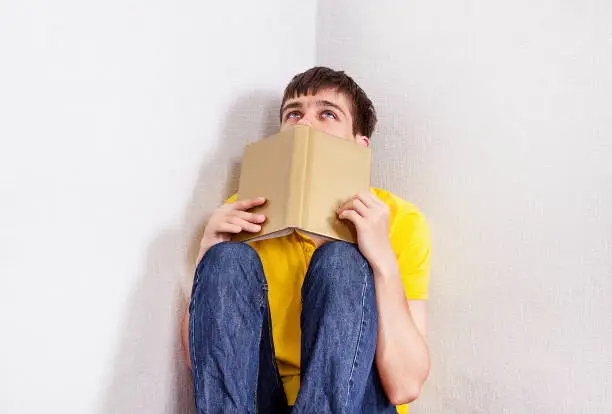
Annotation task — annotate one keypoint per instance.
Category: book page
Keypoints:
(280, 233)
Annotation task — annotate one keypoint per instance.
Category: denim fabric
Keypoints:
(230, 338)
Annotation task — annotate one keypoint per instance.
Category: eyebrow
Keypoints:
(299, 105)
(292, 105)
(329, 103)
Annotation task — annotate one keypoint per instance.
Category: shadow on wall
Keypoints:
(149, 374)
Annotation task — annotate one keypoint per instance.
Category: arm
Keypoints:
(185, 336)
(402, 357)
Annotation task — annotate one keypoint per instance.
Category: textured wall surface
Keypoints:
(496, 119)
(120, 124)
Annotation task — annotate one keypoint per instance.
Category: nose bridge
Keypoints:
(305, 120)
(308, 116)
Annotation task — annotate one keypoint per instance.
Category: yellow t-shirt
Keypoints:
(286, 259)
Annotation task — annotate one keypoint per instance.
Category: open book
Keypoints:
(305, 175)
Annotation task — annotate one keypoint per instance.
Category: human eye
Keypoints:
(328, 115)
(293, 115)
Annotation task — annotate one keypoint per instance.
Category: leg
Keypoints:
(339, 329)
(228, 309)
(271, 398)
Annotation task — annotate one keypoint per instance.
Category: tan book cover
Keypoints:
(305, 175)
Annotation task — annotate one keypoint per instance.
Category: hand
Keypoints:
(231, 218)
(371, 219)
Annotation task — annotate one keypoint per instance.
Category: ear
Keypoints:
(362, 140)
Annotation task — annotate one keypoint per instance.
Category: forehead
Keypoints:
(331, 95)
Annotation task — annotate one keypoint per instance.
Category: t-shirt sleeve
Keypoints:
(411, 243)
(232, 199)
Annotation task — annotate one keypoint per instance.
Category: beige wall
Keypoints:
(496, 119)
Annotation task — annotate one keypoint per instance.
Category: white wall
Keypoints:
(495, 118)
(119, 126)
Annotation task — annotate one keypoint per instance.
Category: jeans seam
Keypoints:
(192, 341)
(264, 294)
(262, 298)
(361, 328)
(256, 402)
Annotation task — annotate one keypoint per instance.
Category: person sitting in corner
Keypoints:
(293, 324)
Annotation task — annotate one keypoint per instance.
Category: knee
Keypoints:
(227, 265)
(339, 263)
(338, 254)
(228, 253)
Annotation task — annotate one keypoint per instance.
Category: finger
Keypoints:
(344, 206)
(347, 204)
(352, 216)
(248, 204)
(360, 207)
(229, 228)
(251, 217)
(357, 205)
(367, 198)
(245, 225)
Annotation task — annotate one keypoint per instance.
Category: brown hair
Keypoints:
(318, 78)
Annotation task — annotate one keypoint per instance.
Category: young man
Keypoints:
(293, 321)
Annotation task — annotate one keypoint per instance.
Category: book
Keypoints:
(305, 175)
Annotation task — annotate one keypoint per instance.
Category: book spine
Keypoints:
(297, 180)
(306, 181)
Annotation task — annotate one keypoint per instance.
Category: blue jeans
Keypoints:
(230, 336)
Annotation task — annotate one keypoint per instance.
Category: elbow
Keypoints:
(405, 395)
(408, 389)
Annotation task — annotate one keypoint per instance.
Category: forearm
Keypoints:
(185, 337)
(402, 357)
